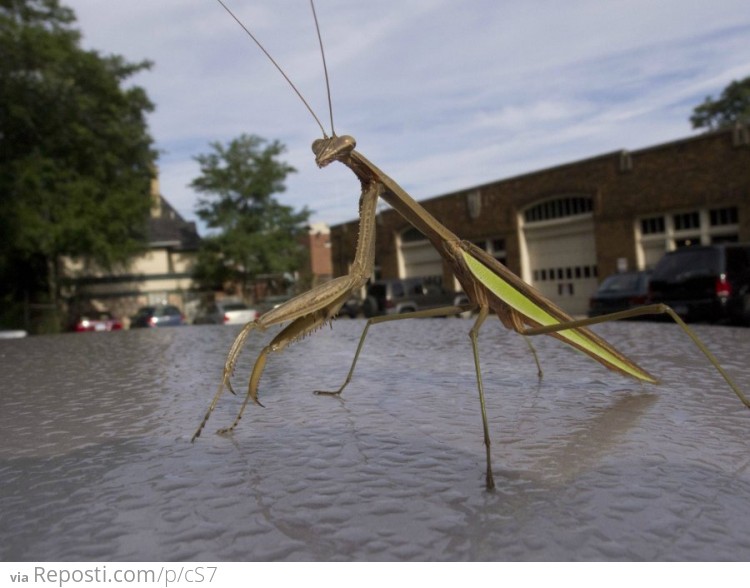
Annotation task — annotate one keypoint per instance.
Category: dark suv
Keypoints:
(708, 283)
(407, 295)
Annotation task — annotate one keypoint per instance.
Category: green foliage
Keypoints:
(255, 234)
(731, 107)
(75, 153)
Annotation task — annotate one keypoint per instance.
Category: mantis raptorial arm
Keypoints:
(307, 311)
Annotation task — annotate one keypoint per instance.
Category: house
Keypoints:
(161, 275)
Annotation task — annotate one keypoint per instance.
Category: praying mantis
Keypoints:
(489, 286)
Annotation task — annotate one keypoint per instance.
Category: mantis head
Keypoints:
(332, 149)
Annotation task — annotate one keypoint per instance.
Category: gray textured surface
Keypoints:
(96, 463)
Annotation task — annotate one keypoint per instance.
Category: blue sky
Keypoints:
(442, 95)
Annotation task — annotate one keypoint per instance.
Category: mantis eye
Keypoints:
(318, 146)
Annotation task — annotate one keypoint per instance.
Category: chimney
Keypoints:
(155, 197)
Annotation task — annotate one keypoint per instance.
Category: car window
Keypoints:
(620, 283)
(416, 289)
(235, 306)
(687, 264)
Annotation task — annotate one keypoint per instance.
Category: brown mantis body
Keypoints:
(489, 286)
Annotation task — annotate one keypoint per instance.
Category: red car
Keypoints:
(97, 321)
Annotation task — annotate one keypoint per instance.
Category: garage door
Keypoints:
(561, 251)
(418, 258)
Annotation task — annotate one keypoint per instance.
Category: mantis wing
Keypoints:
(535, 310)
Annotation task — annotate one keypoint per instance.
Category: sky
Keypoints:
(442, 95)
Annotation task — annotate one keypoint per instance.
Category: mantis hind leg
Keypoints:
(433, 312)
(540, 373)
(473, 335)
(652, 309)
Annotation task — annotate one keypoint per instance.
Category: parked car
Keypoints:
(620, 291)
(460, 299)
(226, 312)
(161, 315)
(12, 333)
(407, 295)
(705, 283)
(96, 321)
(351, 308)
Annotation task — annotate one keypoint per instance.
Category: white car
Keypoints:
(226, 313)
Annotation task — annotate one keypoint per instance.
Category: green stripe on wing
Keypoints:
(536, 313)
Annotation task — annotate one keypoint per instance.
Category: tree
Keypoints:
(255, 233)
(731, 107)
(75, 153)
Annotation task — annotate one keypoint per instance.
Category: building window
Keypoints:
(559, 208)
(723, 216)
(657, 235)
(411, 235)
(565, 273)
(686, 220)
(495, 246)
(652, 226)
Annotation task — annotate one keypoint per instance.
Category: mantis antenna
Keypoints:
(281, 71)
(325, 67)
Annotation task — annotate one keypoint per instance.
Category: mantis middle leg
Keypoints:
(433, 312)
(473, 335)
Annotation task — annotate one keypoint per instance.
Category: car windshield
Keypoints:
(235, 306)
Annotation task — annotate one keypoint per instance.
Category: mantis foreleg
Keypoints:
(297, 329)
(307, 311)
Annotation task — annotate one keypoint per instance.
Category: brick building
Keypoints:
(317, 241)
(561, 229)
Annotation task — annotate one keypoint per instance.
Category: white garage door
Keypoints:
(418, 258)
(561, 251)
